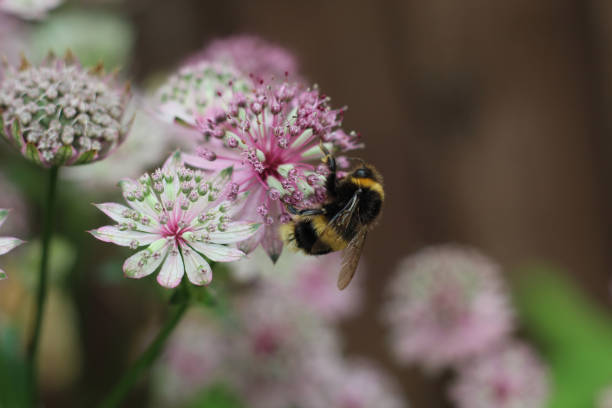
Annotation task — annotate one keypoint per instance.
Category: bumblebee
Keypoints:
(353, 206)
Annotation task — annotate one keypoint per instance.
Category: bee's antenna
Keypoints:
(359, 159)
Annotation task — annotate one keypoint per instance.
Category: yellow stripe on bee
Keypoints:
(369, 183)
(328, 235)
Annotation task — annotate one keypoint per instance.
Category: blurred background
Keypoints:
(488, 120)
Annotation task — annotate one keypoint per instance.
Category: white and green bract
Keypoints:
(179, 215)
(6, 243)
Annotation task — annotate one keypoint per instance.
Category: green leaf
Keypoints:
(575, 335)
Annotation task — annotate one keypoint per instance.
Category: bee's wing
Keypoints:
(341, 220)
(351, 257)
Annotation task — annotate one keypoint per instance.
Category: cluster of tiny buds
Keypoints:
(60, 105)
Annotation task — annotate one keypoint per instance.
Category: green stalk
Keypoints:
(48, 226)
(145, 360)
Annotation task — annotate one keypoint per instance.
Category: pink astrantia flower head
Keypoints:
(180, 215)
(199, 90)
(446, 304)
(6, 243)
(509, 377)
(309, 279)
(252, 55)
(351, 384)
(271, 136)
(193, 359)
(59, 114)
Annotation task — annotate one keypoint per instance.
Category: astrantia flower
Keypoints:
(28, 9)
(447, 304)
(510, 377)
(60, 114)
(6, 243)
(604, 399)
(309, 279)
(271, 136)
(193, 359)
(179, 215)
(252, 55)
(350, 384)
(271, 353)
(196, 90)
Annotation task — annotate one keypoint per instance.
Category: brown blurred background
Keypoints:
(489, 121)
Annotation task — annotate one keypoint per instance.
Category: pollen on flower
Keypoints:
(60, 114)
(173, 220)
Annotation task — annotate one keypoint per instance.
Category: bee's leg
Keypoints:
(332, 179)
(306, 211)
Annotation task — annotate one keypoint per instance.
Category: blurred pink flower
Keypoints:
(59, 114)
(179, 215)
(6, 243)
(309, 279)
(446, 304)
(350, 384)
(251, 55)
(278, 337)
(193, 359)
(271, 137)
(604, 399)
(509, 377)
(13, 37)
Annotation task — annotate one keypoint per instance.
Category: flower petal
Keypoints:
(198, 270)
(234, 232)
(173, 270)
(116, 212)
(9, 243)
(216, 252)
(3, 214)
(126, 238)
(145, 262)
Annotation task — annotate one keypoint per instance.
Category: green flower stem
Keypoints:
(49, 225)
(145, 360)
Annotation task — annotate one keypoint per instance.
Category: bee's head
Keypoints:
(365, 171)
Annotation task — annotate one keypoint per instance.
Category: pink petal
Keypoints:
(173, 270)
(198, 270)
(134, 268)
(216, 252)
(115, 212)
(234, 232)
(126, 238)
(3, 215)
(9, 243)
